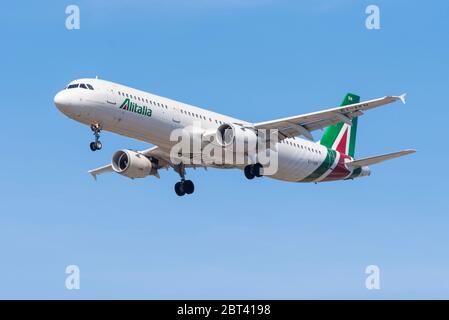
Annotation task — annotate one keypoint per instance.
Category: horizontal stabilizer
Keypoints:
(377, 159)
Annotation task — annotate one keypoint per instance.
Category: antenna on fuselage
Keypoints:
(96, 77)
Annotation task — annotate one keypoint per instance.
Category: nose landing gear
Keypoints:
(96, 145)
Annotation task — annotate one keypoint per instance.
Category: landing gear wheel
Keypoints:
(179, 189)
(248, 172)
(96, 145)
(257, 170)
(184, 186)
(253, 170)
(188, 186)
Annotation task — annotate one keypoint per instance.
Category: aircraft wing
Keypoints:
(162, 156)
(163, 160)
(98, 171)
(377, 159)
(306, 123)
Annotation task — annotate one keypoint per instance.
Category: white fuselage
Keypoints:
(297, 158)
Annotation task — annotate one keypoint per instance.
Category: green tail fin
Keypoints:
(341, 136)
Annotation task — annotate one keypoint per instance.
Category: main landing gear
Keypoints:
(96, 145)
(253, 170)
(184, 186)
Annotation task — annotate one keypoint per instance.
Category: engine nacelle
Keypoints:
(131, 164)
(231, 135)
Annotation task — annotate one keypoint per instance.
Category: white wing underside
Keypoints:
(155, 152)
(163, 157)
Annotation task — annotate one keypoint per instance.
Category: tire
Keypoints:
(188, 186)
(178, 189)
(248, 174)
(256, 170)
(98, 145)
(93, 146)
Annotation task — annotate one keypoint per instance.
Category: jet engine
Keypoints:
(231, 136)
(132, 164)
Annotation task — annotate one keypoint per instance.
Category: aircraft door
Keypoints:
(113, 115)
(176, 116)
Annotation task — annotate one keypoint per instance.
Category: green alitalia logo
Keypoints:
(128, 105)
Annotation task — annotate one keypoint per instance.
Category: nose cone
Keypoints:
(62, 101)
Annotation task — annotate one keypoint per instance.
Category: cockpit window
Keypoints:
(82, 85)
(73, 86)
(90, 87)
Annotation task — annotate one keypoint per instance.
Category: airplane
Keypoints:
(105, 105)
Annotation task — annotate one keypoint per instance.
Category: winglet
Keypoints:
(402, 97)
(93, 174)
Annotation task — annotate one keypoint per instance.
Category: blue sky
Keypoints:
(234, 238)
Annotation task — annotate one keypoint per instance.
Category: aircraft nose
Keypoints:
(62, 100)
